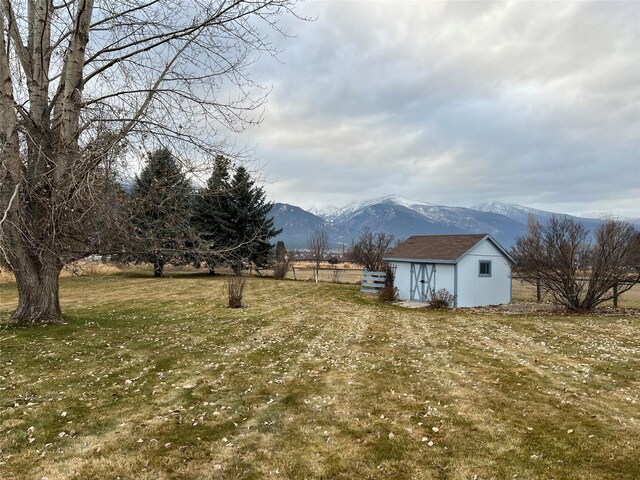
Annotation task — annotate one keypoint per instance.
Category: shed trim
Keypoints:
(455, 285)
(419, 260)
(454, 261)
(495, 244)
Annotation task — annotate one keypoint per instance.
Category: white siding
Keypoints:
(403, 278)
(444, 278)
(474, 290)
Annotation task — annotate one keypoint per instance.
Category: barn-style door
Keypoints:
(423, 281)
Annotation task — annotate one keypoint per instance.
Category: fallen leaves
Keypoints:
(328, 377)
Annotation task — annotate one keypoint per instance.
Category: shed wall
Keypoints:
(445, 276)
(474, 290)
(403, 278)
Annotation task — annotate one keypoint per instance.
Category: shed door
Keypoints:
(423, 281)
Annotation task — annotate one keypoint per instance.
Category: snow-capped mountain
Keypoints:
(332, 213)
(519, 213)
(403, 218)
(297, 224)
(326, 213)
(391, 217)
(607, 215)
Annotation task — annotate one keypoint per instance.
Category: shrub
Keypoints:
(578, 269)
(440, 299)
(235, 290)
(391, 275)
(280, 269)
(388, 294)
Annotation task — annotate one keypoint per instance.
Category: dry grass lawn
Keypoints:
(156, 379)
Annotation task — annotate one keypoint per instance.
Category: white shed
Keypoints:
(475, 269)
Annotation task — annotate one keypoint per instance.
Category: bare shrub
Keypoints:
(281, 268)
(391, 274)
(235, 290)
(282, 262)
(388, 294)
(580, 273)
(440, 299)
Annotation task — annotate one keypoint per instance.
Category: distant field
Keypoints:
(526, 292)
(345, 272)
(156, 379)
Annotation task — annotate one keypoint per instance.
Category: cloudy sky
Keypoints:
(456, 103)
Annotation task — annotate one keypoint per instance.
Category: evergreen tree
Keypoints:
(251, 224)
(160, 199)
(212, 214)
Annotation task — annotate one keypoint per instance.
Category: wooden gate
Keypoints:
(423, 281)
(373, 282)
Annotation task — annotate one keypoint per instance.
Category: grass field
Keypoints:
(155, 378)
(526, 292)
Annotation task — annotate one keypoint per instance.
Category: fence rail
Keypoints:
(351, 276)
(373, 282)
(540, 290)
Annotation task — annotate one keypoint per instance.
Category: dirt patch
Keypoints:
(545, 308)
(530, 308)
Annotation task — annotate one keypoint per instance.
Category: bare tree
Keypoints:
(79, 77)
(370, 249)
(580, 274)
(318, 243)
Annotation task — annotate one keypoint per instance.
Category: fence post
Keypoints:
(615, 295)
(293, 269)
(538, 293)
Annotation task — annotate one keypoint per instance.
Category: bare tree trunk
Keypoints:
(38, 281)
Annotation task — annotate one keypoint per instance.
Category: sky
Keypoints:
(455, 103)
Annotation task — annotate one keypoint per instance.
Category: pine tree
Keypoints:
(212, 214)
(160, 199)
(250, 222)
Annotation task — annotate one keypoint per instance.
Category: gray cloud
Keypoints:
(456, 103)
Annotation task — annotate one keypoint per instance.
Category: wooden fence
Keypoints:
(351, 276)
(540, 292)
(373, 282)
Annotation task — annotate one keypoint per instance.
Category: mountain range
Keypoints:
(403, 218)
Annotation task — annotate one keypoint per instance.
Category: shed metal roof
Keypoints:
(445, 248)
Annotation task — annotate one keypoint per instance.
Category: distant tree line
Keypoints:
(171, 222)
